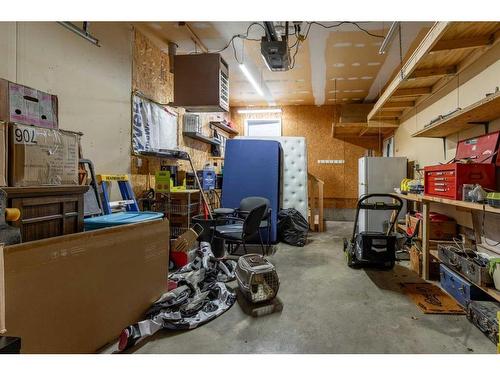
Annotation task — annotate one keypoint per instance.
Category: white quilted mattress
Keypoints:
(294, 172)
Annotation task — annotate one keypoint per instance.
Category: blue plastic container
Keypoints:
(120, 218)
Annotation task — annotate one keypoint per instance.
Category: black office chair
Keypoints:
(245, 228)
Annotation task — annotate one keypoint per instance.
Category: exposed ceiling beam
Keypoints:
(433, 72)
(479, 41)
(398, 105)
(412, 91)
(390, 112)
(363, 131)
(383, 124)
(196, 40)
(432, 37)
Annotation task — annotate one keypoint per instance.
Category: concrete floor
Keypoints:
(329, 308)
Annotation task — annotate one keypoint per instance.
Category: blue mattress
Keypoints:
(252, 168)
(120, 218)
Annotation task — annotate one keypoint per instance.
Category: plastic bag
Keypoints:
(292, 227)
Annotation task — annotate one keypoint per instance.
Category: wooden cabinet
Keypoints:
(47, 211)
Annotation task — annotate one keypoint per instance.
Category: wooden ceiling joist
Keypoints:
(426, 69)
(433, 72)
(450, 44)
(416, 91)
(398, 105)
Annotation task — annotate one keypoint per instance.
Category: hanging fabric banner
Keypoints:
(154, 127)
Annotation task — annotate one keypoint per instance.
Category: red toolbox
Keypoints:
(479, 167)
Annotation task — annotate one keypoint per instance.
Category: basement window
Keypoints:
(263, 128)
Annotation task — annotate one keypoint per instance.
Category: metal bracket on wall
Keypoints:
(84, 32)
(444, 146)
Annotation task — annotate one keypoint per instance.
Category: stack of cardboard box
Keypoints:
(34, 151)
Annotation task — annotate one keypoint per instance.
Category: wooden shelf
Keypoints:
(224, 127)
(450, 202)
(202, 138)
(491, 291)
(447, 49)
(483, 111)
(410, 197)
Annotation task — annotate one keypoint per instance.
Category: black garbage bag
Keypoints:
(292, 227)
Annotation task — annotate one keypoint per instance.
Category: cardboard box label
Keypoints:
(25, 135)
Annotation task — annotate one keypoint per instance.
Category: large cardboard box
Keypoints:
(28, 106)
(76, 293)
(39, 156)
(3, 153)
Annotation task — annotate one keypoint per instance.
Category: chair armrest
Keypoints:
(214, 227)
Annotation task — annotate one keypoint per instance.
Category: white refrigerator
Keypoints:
(379, 175)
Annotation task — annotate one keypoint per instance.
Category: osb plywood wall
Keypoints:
(151, 76)
(315, 124)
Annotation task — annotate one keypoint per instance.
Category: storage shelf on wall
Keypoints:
(224, 127)
(202, 138)
(481, 112)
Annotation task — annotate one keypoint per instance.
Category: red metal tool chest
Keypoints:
(447, 180)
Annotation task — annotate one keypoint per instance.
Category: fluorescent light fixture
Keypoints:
(269, 110)
(388, 38)
(250, 79)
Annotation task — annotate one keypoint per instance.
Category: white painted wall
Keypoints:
(93, 84)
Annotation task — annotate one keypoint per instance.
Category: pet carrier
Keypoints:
(257, 278)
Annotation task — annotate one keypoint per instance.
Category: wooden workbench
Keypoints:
(426, 202)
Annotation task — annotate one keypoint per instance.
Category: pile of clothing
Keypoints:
(201, 295)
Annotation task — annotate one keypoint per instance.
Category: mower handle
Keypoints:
(378, 206)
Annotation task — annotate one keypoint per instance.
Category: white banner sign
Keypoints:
(154, 127)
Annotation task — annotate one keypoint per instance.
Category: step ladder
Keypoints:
(128, 197)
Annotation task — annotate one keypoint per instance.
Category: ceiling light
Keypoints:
(250, 79)
(352, 78)
(338, 65)
(337, 79)
(359, 45)
(375, 63)
(268, 110)
(356, 64)
(366, 77)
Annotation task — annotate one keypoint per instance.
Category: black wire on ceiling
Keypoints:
(299, 38)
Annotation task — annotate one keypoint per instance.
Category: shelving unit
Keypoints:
(224, 127)
(426, 202)
(481, 112)
(446, 50)
(202, 138)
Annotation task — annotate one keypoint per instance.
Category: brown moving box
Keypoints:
(438, 230)
(3, 153)
(25, 105)
(416, 263)
(76, 293)
(39, 156)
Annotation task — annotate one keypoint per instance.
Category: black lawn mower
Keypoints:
(373, 249)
